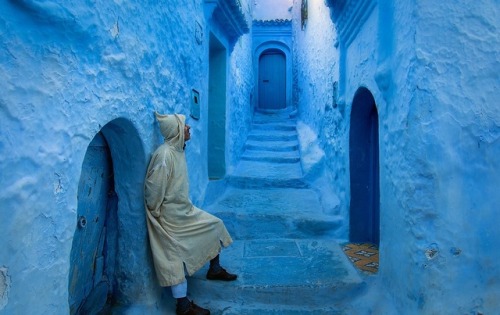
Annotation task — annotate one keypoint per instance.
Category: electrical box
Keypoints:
(195, 104)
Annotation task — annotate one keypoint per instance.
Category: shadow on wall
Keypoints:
(111, 224)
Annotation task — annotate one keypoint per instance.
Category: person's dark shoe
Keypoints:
(222, 274)
(193, 309)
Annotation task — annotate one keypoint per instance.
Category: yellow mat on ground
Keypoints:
(363, 255)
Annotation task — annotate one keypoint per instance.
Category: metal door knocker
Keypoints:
(82, 222)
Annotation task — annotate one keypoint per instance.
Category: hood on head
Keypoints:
(172, 128)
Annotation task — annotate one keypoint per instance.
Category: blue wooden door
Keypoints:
(364, 221)
(272, 80)
(88, 282)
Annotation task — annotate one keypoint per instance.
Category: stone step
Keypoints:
(260, 309)
(271, 156)
(244, 227)
(263, 182)
(266, 135)
(278, 125)
(280, 113)
(256, 174)
(288, 145)
(280, 275)
(274, 213)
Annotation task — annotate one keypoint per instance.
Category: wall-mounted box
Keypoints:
(195, 104)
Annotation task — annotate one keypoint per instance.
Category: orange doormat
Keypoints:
(363, 255)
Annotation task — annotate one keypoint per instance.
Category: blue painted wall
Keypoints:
(432, 69)
(71, 70)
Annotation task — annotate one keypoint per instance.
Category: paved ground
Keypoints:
(284, 252)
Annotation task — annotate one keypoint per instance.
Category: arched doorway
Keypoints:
(91, 275)
(217, 109)
(272, 80)
(364, 169)
(110, 203)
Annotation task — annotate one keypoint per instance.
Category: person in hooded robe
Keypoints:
(182, 237)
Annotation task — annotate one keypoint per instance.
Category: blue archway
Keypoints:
(272, 80)
(279, 49)
(110, 204)
(364, 218)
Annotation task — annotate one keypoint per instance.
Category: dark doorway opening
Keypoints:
(217, 109)
(364, 170)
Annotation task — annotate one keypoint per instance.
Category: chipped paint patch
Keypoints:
(4, 287)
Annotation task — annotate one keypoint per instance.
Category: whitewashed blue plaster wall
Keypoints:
(447, 122)
(241, 91)
(322, 122)
(68, 71)
(241, 95)
(430, 69)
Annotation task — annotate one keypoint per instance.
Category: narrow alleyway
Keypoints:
(284, 254)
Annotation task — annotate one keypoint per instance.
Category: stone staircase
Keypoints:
(271, 157)
(284, 252)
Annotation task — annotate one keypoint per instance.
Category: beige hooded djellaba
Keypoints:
(179, 233)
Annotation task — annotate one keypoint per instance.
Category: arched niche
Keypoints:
(111, 224)
(364, 219)
(275, 47)
(272, 80)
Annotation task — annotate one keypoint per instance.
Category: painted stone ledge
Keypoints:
(349, 16)
(277, 22)
(229, 16)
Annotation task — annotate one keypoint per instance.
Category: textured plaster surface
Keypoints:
(241, 93)
(439, 129)
(72, 70)
(322, 122)
(433, 72)
(453, 204)
(68, 70)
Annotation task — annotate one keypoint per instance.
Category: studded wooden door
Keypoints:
(88, 283)
(272, 80)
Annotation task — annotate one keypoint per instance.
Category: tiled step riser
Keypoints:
(257, 183)
(271, 159)
(246, 227)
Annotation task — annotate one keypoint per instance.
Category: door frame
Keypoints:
(129, 161)
(217, 98)
(282, 75)
(258, 51)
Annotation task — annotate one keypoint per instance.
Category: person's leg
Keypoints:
(184, 305)
(179, 292)
(215, 264)
(216, 272)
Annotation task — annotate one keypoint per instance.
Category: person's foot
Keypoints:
(222, 274)
(193, 309)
